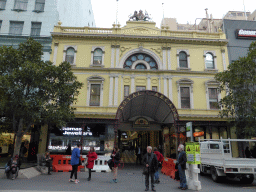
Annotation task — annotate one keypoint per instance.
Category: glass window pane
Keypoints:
(134, 58)
(128, 63)
(140, 57)
(183, 64)
(209, 61)
(21, 4)
(16, 28)
(140, 66)
(70, 55)
(95, 95)
(182, 56)
(140, 88)
(97, 52)
(154, 88)
(2, 4)
(126, 90)
(97, 56)
(35, 29)
(185, 97)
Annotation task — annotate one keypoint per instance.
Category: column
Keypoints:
(101, 94)
(122, 88)
(164, 59)
(169, 58)
(148, 83)
(55, 53)
(110, 101)
(117, 56)
(159, 80)
(132, 84)
(170, 88)
(112, 56)
(192, 97)
(223, 59)
(116, 91)
(165, 86)
(88, 94)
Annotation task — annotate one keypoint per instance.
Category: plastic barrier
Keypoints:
(168, 167)
(61, 163)
(101, 165)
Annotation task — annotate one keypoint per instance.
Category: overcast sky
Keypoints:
(183, 10)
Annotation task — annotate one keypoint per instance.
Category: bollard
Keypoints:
(192, 177)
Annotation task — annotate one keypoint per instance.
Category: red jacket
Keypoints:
(91, 157)
(159, 156)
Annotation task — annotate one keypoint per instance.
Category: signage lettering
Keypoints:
(246, 33)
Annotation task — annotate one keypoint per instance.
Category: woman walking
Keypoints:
(116, 159)
(75, 163)
(90, 162)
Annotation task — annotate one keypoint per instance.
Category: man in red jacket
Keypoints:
(160, 159)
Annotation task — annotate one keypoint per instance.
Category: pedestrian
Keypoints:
(150, 162)
(181, 162)
(68, 151)
(247, 152)
(160, 159)
(75, 163)
(48, 161)
(138, 152)
(116, 160)
(91, 156)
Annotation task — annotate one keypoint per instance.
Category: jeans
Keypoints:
(147, 180)
(156, 175)
(183, 182)
(74, 171)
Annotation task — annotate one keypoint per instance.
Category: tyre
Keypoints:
(248, 179)
(215, 176)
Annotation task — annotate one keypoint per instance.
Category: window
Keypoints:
(213, 98)
(140, 61)
(0, 25)
(95, 95)
(16, 27)
(35, 28)
(183, 59)
(209, 61)
(126, 91)
(154, 88)
(140, 88)
(2, 4)
(39, 6)
(70, 54)
(240, 14)
(97, 57)
(185, 97)
(214, 146)
(20, 4)
(140, 66)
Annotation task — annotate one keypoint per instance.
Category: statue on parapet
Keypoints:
(139, 16)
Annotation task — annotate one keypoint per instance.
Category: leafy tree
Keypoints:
(240, 82)
(33, 91)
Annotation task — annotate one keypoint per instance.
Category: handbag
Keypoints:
(145, 170)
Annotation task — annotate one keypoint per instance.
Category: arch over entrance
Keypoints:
(145, 114)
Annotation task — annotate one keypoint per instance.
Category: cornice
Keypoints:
(164, 39)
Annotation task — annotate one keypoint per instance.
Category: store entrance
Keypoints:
(130, 142)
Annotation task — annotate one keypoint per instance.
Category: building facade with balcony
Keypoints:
(142, 85)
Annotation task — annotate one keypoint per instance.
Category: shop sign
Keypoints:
(74, 131)
(193, 153)
(141, 123)
(246, 33)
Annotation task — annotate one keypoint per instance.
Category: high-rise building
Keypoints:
(76, 13)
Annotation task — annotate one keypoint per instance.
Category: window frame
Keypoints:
(99, 86)
(178, 59)
(39, 3)
(142, 88)
(35, 28)
(94, 80)
(3, 3)
(94, 48)
(213, 53)
(126, 86)
(154, 88)
(181, 87)
(212, 84)
(66, 47)
(185, 83)
(12, 22)
(18, 3)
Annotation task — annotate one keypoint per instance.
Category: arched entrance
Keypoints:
(142, 117)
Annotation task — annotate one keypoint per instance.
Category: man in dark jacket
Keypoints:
(150, 162)
(181, 162)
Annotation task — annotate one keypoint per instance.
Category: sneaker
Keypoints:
(146, 189)
(89, 179)
(115, 180)
(76, 181)
(153, 189)
(71, 180)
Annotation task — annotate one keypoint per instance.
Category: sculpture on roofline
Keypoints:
(139, 16)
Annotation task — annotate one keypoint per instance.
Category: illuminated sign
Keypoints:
(246, 33)
(75, 131)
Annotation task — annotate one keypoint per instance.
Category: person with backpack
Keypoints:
(160, 159)
(150, 166)
(116, 160)
(75, 163)
(91, 157)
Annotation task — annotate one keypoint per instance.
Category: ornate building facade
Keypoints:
(142, 85)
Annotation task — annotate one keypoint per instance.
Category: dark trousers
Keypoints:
(138, 158)
(90, 173)
(147, 180)
(74, 171)
(48, 164)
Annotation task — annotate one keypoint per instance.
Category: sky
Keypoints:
(185, 11)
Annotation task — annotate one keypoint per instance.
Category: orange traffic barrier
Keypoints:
(61, 163)
(168, 167)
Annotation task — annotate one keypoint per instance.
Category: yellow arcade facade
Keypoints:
(146, 68)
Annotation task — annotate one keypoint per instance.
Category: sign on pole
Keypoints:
(189, 131)
(193, 153)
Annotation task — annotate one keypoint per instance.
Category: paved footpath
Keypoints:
(129, 179)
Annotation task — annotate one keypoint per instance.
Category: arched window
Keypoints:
(97, 56)
(140, 61)
(140, 66)
(209, 61)
(183, 60)
(70, 54)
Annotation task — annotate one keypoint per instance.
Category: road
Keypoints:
(129, 179)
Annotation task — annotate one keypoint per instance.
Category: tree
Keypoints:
(240, 82)
(34, 91)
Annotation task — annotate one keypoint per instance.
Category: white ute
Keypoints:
(217, 160)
